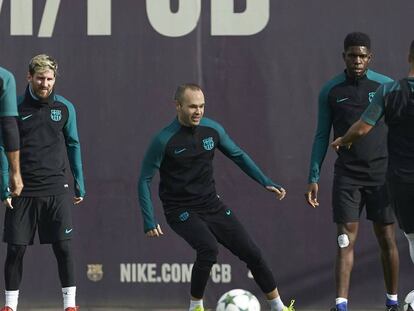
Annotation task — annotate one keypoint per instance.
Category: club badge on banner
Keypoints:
(95, 272)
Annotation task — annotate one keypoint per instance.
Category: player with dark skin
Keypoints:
(357, 59)
(392, 101)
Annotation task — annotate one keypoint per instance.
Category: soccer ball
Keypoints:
(409, 299)
(238, 300)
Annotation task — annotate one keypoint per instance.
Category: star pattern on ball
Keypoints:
(229, 300)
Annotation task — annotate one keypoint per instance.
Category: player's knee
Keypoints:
(208, 256)
(387, 240)
(204, 265)
(253, 259)
(208, 253)
(343, 240)
(15, 252)
(62, 249)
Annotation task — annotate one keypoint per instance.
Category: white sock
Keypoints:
(12, 296)
(392, 297)
(276, 304)
(69, 297)
(410, 238)
(339, 300)
(195, 303)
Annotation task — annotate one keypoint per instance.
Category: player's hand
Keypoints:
(77, 200)
(280, 193)
(16, 184)
(8, 203)
(337, 143)
(156, 232)
(311, 194)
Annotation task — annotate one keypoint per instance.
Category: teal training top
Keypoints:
(184, 157)
(8, 102)
(342, 100)
(48, 134)
(395, 101)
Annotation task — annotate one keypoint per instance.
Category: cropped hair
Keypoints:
(179, 93)
(357, 39)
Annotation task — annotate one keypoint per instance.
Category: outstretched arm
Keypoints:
(280, 192)
(357, 130)
(369, 118)
(243, 160)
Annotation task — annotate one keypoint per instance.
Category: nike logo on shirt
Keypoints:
(178, 151)
(67, 231)
(340, 100)
(26, 117)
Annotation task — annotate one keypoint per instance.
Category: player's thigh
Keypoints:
(231, 233)
(55, 218)
(194, 230)
(378, 207)
(402, 201)
(20, 222)
(346, 201)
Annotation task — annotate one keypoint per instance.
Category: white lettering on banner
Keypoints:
(49, 18)
(21, 17)
(172, 24)
(221, 273)
(99, 17)
(169, 273)
(224, 21)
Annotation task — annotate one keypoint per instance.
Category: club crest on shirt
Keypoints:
(371, 96)
(56, 115)
(208, 143)
(95, 272)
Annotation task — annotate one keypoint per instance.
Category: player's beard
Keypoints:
(44, 93)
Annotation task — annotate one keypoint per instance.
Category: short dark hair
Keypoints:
(412, 49)
(178, 96)
(357, 39)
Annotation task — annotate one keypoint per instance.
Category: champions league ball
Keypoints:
(409, 299)
(238, 300)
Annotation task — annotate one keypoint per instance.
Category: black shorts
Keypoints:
(402, 200)
(51, 215)
(348, 201)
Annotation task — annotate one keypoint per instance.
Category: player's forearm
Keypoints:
(4, 165)
(75, 162)
(145, 202)
(357, 130)
(13, 158)
(253, 170)
(10, 133)
(319, 149)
